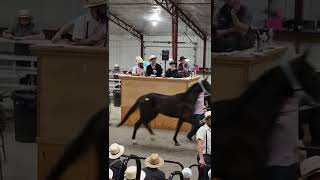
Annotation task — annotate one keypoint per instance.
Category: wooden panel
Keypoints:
(160, 122)
(233, 72)
(133, 88)
(49, 154)
(229, 81)
(72, 88)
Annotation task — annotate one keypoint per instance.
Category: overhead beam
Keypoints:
(173, 9)
(129, 29)
(125, 26)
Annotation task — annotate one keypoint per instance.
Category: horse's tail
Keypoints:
(93, 133)
(131, 110)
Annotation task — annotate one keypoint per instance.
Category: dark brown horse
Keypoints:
(179, 106)
(243, 125)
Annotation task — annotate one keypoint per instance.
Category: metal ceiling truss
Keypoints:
(126, 26)
(172, 8)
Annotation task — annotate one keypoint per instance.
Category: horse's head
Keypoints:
(205, 86)
(303, 77)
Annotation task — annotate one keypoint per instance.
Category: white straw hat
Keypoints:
(139, 60)
(154, 161)
(187, 60)
(24, 13)
(115, 151)
(92, 3)
(310, 167)
(187, 173)
(131, 173)
(152, 57)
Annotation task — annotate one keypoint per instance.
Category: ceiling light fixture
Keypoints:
(154, 23)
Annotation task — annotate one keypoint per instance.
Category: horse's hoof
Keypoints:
(135, 142)
(152, 139)
(177, 144)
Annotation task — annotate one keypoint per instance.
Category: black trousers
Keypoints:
(203, 172)
(283, 172)
(195, 127)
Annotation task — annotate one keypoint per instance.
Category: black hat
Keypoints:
(182, 58)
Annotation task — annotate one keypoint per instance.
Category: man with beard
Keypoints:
(89, 29)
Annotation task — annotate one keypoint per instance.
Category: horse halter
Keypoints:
(206, 93)
(296, 86)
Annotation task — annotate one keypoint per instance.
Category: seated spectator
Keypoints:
(233, 27)
(154, 69)
(172, 71)
(183, 67)
(203, 138)
(116, 69)
(137, 70)
(131, 173)
(187, 174)
(110, 174)
(152, 163)
(24, 28)
(89, 29)
(310, 168)
(115, 152)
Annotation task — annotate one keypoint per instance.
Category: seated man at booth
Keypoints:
(23, 28)
(137, 70)
(154, 69)
(89, 29)
(172, 71)
(232, 28)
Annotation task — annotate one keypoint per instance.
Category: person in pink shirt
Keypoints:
(198, 115)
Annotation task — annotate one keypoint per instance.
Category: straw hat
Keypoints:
(139, 60)
(154, 161)
(116, 65)
(310, 167)
(22, 13)
(207, 114)
(152, 57)
(171, 61)
(110, 174)
(115, 151)
(187, 173)
(131, 173)
(92, 3)
(187, 60)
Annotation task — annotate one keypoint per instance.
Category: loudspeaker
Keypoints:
(165, 55)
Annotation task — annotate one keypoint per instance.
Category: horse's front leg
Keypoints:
(177, 131)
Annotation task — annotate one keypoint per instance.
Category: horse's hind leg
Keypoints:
(177, 131)
(136, 127)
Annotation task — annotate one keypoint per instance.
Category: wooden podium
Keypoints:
(73, 86)
(132, 87)
(233, 72)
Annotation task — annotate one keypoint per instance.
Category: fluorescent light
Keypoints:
(154, 23)
(155, 17)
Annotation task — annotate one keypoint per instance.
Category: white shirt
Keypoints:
(137, 70)
(87, 27)
(285, 137)
(203, 133)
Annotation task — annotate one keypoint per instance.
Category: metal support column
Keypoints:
(204, 56)
(175, 37)
(142, 47)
